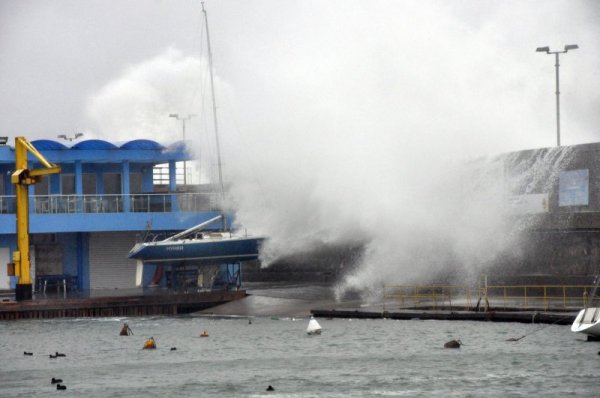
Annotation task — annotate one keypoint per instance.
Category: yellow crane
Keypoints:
(23, 177)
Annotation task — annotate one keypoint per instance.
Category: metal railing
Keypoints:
(139, 203)
(183, 202)
(435, 296)
(522, 297)
(540, 296)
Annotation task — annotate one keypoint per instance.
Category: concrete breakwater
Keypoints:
(558, 318)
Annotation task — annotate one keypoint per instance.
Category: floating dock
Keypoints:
(163, 304)
(558, 318)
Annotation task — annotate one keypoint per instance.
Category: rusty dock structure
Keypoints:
(124, 306)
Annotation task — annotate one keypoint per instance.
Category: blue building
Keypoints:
(84, 221)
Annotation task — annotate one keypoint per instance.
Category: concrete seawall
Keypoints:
(559, 318)
(167, 304)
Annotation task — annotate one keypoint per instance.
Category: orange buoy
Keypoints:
(204, 334)
(150, 344)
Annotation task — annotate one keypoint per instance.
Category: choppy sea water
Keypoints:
(351, 358)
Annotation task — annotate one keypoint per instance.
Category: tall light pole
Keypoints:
(557, 65)
(183, 120)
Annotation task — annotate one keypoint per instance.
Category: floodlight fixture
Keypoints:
(543, 49)
(67, 138)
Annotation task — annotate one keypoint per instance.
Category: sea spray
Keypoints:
(478, 229)
(344, 136)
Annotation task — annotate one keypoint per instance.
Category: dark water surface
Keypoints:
(350, 358)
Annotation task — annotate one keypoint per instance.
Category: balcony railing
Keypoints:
(138, 203)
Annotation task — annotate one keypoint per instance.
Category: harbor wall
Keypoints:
(144, 305)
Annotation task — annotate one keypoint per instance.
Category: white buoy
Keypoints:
(313, 326)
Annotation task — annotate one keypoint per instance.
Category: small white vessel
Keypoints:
(587, 321)
(313, 326)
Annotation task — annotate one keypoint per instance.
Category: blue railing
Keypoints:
(138, 203)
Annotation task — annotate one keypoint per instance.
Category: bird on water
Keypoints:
(453, 344)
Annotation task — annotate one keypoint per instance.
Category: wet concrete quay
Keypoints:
(75, 306)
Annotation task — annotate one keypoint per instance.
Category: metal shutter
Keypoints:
(109, 266)
(4, 259)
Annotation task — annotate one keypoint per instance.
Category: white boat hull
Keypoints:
(587, 322)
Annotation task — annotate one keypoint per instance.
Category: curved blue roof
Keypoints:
(142, 144)
(48, 145)
(94, 144)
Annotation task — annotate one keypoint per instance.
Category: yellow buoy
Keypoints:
(150, 344)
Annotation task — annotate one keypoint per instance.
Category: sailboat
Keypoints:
(587, 320)
(313, 326)
(200, 246)
(195, 244)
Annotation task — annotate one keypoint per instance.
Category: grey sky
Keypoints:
(55, 55)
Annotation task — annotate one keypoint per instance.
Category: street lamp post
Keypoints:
(557, 65)
(183, 120)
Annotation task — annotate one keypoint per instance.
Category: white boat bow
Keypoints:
(587, 322)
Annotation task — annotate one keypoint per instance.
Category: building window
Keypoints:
(42, 187)
(135, 183)
(112, 183)
(67, 184)
(573, 188)
(89, 183)
(160, 174)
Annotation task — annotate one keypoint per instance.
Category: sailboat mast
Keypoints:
(214, 103)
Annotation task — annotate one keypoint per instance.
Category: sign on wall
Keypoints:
(529, 204)
(573, 188)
